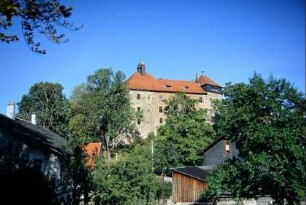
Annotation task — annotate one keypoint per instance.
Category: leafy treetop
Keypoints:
(102, 107)
(51, 107)
(266, 120)
(185, 133)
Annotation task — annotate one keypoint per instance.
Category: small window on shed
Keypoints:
(227, 147)
(138, 96)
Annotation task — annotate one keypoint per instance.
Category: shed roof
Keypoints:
(34, 135)
(194, 172)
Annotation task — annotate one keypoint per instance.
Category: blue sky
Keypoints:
(227, 39)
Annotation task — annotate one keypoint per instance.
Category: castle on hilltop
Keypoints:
(148, 95)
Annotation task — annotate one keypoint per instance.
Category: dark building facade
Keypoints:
(218, 151)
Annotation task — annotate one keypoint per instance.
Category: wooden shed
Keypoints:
(188, 184)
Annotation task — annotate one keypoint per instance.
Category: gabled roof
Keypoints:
(92, 150)
(34, 135)
(147, 82)
(204, 80)
(212, 144)
(194, 172)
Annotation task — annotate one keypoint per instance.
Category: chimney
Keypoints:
(33, 119)
(10, 110)
(141, 68)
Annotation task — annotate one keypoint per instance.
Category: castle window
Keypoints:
(200, 99)
(138, 108)
(138, 122)
(138, 96)
(160, 109)
(161, 120)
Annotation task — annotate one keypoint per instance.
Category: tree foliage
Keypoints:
(37, 16)
(50, 106)
(127, 181)
(185, 133)
(266, 120)
(78, 176)
(102, 107)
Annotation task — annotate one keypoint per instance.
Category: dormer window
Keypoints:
(186, 87)
(168, 86)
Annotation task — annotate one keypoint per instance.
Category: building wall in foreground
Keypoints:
(47, 161)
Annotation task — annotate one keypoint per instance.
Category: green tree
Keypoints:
(50, 106)
(102, 109)
(127, 181)
(185, 133)
(39, 16)
(266, 120)
(78, 175)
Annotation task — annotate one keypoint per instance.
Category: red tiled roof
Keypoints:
(204, 80)
(92, 150)
(143, 82)
(149, 83)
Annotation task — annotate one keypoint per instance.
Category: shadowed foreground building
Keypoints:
(43, 148)
(148, 95)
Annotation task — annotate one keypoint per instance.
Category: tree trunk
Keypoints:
(107, 147)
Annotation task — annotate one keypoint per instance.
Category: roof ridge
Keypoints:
(150, 83)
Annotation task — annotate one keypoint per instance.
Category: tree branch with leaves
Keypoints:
(36, 16)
